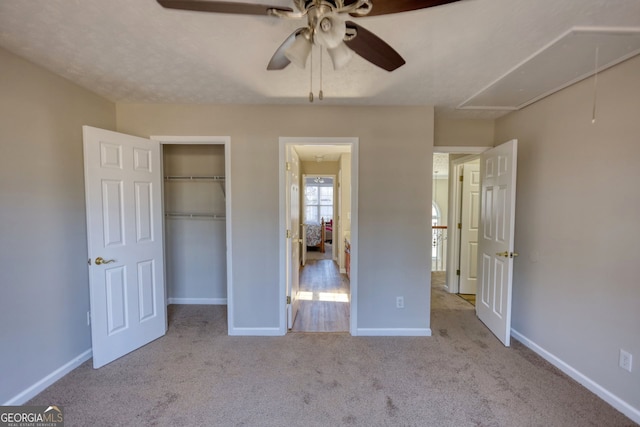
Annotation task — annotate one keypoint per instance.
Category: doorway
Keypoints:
(448, 197)
(318, 294)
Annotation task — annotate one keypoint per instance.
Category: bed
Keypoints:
(315, 235)
(328, 231)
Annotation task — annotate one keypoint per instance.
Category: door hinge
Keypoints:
(288, 166)
(288, 299)
(288, 234)
(461, 178)
(459, 226)
(457, 272)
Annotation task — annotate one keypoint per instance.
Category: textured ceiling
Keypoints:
(136, 51)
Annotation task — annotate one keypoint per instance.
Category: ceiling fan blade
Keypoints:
(221, 7)
(385, 7)
(279, 61)
(373, 48)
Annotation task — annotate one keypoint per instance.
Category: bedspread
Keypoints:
(314, 234)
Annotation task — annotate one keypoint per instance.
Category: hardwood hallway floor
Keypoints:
(324, 298)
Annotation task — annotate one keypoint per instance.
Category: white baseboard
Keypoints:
(393, 332)
(601, 392)
(255, 332)
(35, 389)
(197, 301)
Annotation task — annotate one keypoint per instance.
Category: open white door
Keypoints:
(123, 191)
(495, 243)
(293, 234)
(470, 218)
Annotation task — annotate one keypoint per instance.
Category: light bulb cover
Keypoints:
(340, 56)
(330, 31)
(299, 51)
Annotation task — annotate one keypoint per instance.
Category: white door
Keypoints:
(124, 231)
(293, 238)
(495, 243)
(469, 220)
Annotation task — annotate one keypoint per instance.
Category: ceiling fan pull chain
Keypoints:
(311, 76)
(595, 86)
(320, 94)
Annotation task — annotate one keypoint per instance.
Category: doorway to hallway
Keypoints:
(325, 170)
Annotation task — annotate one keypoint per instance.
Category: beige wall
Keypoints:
(43, 255)
(320, 168)
(395, 145)
(441, 197)
(576, 291)
(464, 132)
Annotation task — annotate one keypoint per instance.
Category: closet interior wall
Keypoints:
(195, 232)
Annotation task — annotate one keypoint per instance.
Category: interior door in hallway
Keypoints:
(495, 242)
(124, 233)
(469, 220)
(293, 234)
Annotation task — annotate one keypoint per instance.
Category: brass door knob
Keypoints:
(507, 254)
(100, 261)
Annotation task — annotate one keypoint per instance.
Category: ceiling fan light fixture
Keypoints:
(330, 31)
(299, 51)
(340, 56)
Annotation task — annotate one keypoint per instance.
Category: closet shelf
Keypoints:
(193, 215)
(195, 178)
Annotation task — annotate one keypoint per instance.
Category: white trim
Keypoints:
(600, 391)
(197, 301)
(39, 386)
(394, 332)
(460, 149)
(213, 140)
(191, 140)
(256, 332)
(353, 142)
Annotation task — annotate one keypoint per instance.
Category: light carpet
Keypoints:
(198, 376)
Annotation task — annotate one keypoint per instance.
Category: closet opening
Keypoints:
(195, 224)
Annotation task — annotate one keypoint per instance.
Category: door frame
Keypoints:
(454, 209)
(353, 300)
(207, 140)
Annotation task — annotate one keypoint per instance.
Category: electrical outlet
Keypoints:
(626, 360)
(88, 318)
(399, 302)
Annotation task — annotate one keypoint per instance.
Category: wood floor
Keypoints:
(324, 298)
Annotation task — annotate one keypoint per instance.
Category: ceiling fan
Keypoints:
(327, 26)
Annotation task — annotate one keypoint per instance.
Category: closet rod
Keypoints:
(195, 178)
(193, 215)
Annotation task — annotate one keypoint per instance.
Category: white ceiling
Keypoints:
(136, 51)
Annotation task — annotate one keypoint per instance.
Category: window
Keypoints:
(319, 202)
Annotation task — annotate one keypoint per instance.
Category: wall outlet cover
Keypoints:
(626, 360)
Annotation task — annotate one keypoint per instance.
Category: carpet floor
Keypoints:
(196, 375)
